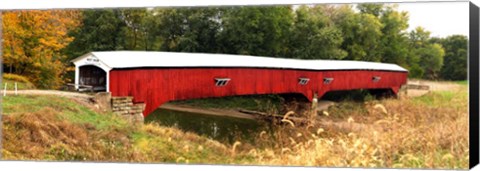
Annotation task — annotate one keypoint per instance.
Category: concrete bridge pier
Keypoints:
(313, 109)
(305, 106)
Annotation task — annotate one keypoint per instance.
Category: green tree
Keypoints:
(314, 35)
(135, 29)
(394, 42)
(431, 59)
(455, 62)
(371, 32)
(393, 46)
(428, 56)
(100, 30)
(371, 8)
(362, 34)
(189, 29)
(262, 31)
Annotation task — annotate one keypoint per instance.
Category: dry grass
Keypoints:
(425, 132)
(56, 128)
(43, 135)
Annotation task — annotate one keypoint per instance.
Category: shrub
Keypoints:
(24, 82)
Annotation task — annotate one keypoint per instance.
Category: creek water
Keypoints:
(221, 128)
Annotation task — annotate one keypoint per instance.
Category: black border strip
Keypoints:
(473, 79)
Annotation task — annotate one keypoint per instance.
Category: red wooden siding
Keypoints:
(155, 86)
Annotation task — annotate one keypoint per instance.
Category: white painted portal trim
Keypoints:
(91, 60)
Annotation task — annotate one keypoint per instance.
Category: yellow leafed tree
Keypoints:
(33, 43)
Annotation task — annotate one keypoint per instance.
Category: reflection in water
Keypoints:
(215, 127)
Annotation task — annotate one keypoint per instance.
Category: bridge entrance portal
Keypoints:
(93, 76)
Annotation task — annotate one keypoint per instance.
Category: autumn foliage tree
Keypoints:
(33, 41)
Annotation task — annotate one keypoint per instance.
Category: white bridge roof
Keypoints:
(142, 59)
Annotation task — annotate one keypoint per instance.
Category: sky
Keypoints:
(440, 18)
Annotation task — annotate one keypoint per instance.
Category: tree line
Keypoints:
(367, 32)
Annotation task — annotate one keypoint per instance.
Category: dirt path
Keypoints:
(81, 98)
(436, 85)
(433, 86)
(48, 92)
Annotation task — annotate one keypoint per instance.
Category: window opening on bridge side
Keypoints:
(221, 81)
(376, 78)
(327, 80)
(303, 80)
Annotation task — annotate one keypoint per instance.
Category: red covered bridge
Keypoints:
(154, 78)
